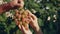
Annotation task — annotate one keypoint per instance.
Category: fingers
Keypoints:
(27, 21)
(32, 15)
(25, 28)
(17, 23)
(31, 19)
(22, 28)
(19, 27)
(29, 12)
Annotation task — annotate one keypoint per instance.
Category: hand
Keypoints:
(18, 3)
(25, 29)
(32, 20)
(34, 23)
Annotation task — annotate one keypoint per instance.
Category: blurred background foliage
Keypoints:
(47, 12)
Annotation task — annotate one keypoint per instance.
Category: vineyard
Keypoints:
(47, 12)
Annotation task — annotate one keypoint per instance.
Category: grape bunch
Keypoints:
(21, 18)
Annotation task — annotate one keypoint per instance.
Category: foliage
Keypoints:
(43, 9)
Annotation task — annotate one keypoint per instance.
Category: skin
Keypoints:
(24, 31)
(32, 19)
(34, 24)
(11, 5)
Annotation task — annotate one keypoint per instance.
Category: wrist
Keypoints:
(26, 32)
(38, 30)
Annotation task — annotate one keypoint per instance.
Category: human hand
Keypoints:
(24, 31)
(32, 20)
(34, 23)
(24, 28)
(18, 3)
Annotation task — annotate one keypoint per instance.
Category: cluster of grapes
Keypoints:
(21, 17)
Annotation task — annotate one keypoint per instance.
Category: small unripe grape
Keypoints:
(22, 16)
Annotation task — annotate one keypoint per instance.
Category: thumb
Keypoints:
(19, 26)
